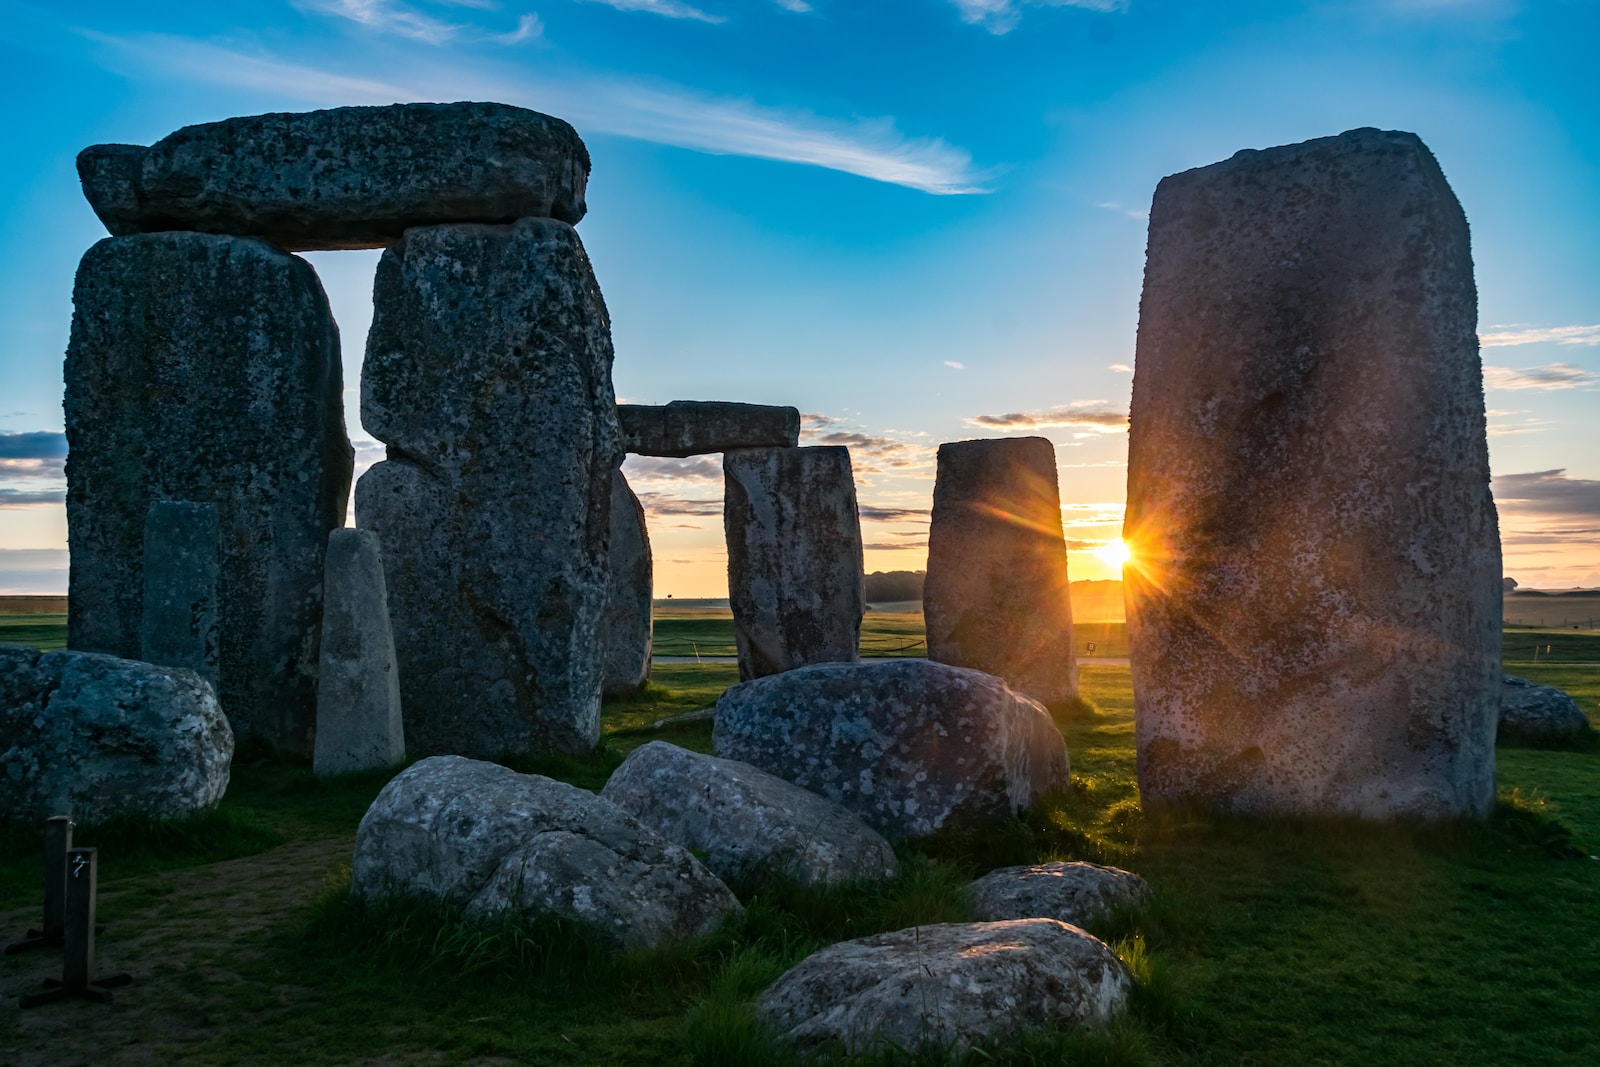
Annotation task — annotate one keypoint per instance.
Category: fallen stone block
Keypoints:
(1076, 893)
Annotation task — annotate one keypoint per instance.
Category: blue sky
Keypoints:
(908, 219)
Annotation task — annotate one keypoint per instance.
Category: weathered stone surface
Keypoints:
(181, 573)
(1314, 611)
(348, 177)
(745, 823)
(1533, 712)
(1075, 893)
(996, 597)
(488, 375)
(946, 986)
(627, 625)
(908, 745)
(206, 369)
(358, 686)
(94, 736)
(794, 557)
(488, 839)
(697, 427)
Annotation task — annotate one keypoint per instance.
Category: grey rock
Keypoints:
(95, 736)
(627, 625)
(908, 745)
(490, 840)
(348, 177)
(698, 427)
(946, 986)
(181, 573)
(1533, 712)
(1314, 609)
(358, 687)
(1076, 893)
(745, 823)
(996, 597)
(206, 369)
(488, 375)
(795, 579)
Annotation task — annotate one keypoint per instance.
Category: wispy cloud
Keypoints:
(661, 505)
(404, 20)
(1547, 508)
(1120, 368)
(39, 444)
(1550, 376)
(881, 513)
(671, 9)
(1132, 213)
(27, 498)
(1518, 334)
(955, 364)
(665, 468)
(1101, 421)
(1002, 16)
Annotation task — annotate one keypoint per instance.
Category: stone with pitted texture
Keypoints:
(95, 736)
(347, 177)
(795, 580)
(697, 427)
(1076, 893)
(996, 597)
(627, 624)
(358, 687)
(1533, 712)
(484, 838)
(745, 823)
(1314, 602)
(179, 624)
(945, 986)
(206, 369)
(908, 745)
(488, 376)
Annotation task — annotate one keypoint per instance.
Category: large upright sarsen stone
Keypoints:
(206, 369)
(488, 375)
(795, 579)
(627, 625)
(996, 597)
(179, 625)
(1314, 601)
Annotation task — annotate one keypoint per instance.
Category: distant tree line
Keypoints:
(885, 586)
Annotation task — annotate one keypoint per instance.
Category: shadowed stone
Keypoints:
(1314, 602)
(996, 597)
(1533, 712)
(696, 427)
(348, 177)
(795, 579)
(179, 625)
(1075, 893)
(206, 369)
(627, 623)
(488, 375)
(358, 687)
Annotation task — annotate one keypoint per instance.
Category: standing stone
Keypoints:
(698, 427)
(358, 686)
(206, 368)
(996, 596)
(488, 375)
(179, 627)
(627, 623)
(1314, 602)
(795, 578)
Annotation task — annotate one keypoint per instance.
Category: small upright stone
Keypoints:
(180, 588)
(996, 596)
(358, 687)
(795, 578)
(1314, 599)
(627, 623)
(698, 427)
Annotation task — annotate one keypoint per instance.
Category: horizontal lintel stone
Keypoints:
(698, 427)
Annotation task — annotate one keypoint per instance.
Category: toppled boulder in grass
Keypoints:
(490, 840)
(1074, 893)
(946, 986)
(94, 736)
(1533, 712)
(745, 822)
(910, 746)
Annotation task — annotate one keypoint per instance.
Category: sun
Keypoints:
(1115, 553)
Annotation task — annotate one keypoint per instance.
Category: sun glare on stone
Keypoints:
(1115, 553)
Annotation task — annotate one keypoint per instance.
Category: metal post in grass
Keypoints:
(57, 842)
(77, 939)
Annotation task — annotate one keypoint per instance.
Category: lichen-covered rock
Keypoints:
(1533, 712)
(95, 736)
(745, 823)
(206, 369)
(1314, 604)
(996, 597)
(698, 427)
(946, 986)
(908, 745)
(347, 177)
(627, 625)
(488, 375)
(359, 726)
(179, 625)
(489, 840)
(795, 581)
(1075, 893)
